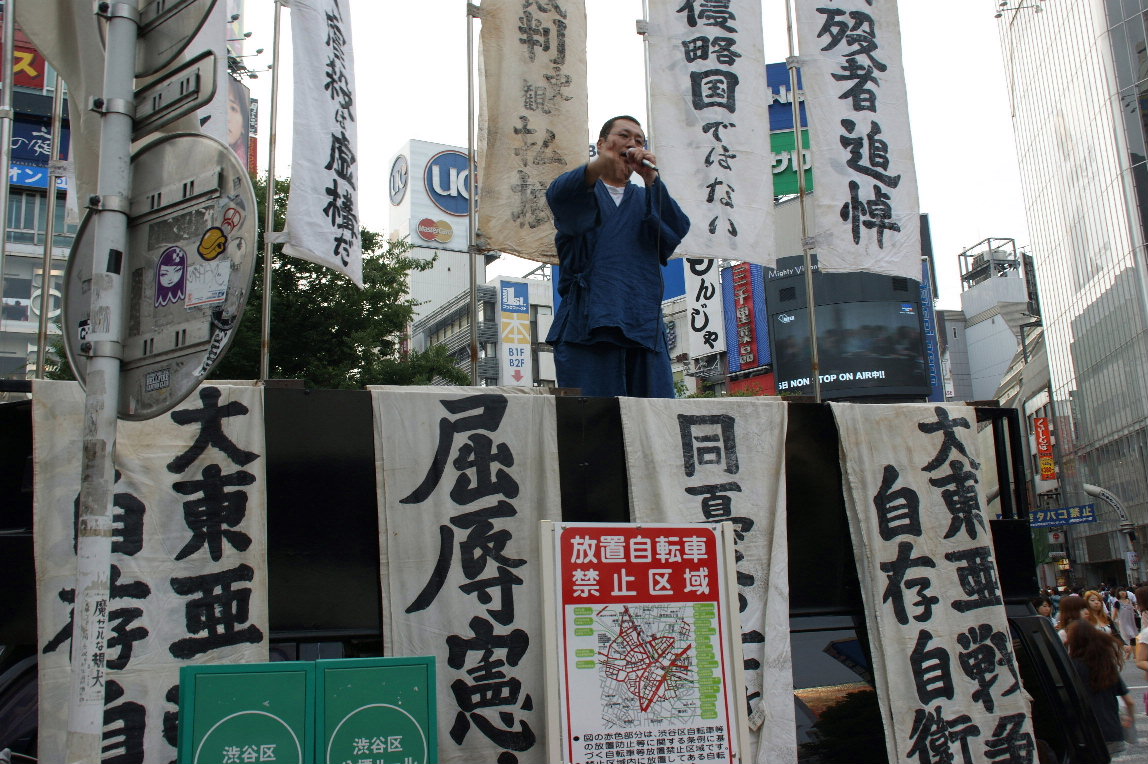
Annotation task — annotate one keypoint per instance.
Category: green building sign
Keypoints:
(377, 710)
(781, 144)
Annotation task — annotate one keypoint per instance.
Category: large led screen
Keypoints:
(863, 345)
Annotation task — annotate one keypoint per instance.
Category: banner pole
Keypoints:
(806, 243)
(6, 72)
(104, 351)
(50, 233)
(472, 13)
(269, 208)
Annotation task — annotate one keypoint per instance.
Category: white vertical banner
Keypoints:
(712, 461)
(516, 366)
(705, 317)
(188, 582)
(866, 211)
(465, 478)
(532, 118)
(323, 210)
(945, 672)
(709, 122)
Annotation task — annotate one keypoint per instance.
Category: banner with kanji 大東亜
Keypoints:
(866, 211)
(709, 124)
(465, 477)
(723, 460)
(943, 662)
(645, 664)
(532, 119)
(188, 578)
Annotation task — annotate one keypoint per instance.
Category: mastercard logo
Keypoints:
(435, 230)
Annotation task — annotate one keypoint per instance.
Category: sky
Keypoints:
(411, 63)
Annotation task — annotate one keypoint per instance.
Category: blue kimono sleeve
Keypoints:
(665, 223)
(573, 203)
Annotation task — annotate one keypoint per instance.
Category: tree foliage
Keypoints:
(327, 331)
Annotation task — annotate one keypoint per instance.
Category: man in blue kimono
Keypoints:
(613, 237)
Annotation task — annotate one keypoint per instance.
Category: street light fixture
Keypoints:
(1005, 5)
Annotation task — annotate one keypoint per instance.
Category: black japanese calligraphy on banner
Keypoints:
(925, 562)
(323, 210)
(712, 461)
(710, 122)
(188, 577)
(465, 479)
(867, 208)
(704, 315)
(532, 118)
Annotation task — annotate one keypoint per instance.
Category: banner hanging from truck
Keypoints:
(943, 661)
(189, 572)
(711, 461)
(465, 479)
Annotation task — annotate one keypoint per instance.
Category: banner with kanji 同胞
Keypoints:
(945, 672)
(188, 578)
(723, 460)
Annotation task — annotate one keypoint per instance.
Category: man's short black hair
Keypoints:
(606, 128)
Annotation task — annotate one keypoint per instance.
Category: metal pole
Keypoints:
(9, 43)
(269, 208)
(104, 351)
(50, 235)
(806, 244)
(472, 12)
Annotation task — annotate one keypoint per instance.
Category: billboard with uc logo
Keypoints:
(446, 179)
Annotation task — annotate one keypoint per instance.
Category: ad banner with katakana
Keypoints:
(723, 460)
(532, 119)
(645, 653)
(465, 479)
(866, 215)
(188, 578)
(943, 660)
(709, 119)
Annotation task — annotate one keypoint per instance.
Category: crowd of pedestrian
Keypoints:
(1101, 629)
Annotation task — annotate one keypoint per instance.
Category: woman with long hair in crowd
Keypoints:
(1098, 658)
(1096, 612)
(1071, 609)
(1124, 614)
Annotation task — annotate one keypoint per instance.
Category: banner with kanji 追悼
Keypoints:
(709, 124)
(532, 119)
(866, 214)
(946, 676)
(323, 209)
(465, 478)
(188, 573)
(711, 461)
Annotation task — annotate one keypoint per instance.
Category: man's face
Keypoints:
(623, 135)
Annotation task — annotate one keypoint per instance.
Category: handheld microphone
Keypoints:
(646, 162)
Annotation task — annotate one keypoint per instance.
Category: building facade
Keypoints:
(1078, 80)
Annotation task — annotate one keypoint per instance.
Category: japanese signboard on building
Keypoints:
(747, 323)
(710, 114)
(514, 349)
(644, 644)
(866, 212)
(946, 675)
(532, 118)
(1043, 430)
(464, 480)
(323, 210)
(712, 461)
(1052, 518)
(188, 576)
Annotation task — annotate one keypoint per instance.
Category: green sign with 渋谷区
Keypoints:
(377, 710)
(355, 711)
(247, 714)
